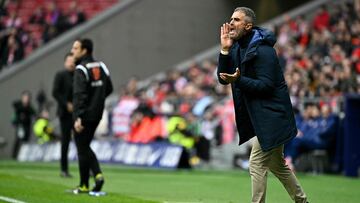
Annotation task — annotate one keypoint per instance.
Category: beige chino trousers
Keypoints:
(261, 162)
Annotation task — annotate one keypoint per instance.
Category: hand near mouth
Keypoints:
(225, 40)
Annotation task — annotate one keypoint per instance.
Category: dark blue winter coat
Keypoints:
(261, 98)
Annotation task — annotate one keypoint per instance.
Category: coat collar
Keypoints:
(259, 36)
(252, 46)
(85, 59)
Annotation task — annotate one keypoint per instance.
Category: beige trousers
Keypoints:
(261, 162)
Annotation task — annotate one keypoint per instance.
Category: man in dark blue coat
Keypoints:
(315, 132)
(263, 109)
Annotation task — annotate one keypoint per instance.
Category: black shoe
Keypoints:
(99, 182)
(64, 174)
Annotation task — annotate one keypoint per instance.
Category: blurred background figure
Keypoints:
(317, 129)
(63, 94)
(43, 129)
(24, 114)
(121, 114)
(12, 51)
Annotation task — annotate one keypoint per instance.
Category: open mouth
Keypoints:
(232, 31)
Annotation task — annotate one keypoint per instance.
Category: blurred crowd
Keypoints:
(320, 56)
(188, 108)
(20, 36)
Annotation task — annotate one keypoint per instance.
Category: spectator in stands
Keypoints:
(199, 154)
(347, 78)
(52, 13)
(225, 113)
(13, 21)
(316, 131)
(32, 42)
(38, 17)
(54, 23)
(146, 126)
(209, 69)
(322, 19)
(75, 15)
(122, 112)
(3, 11)
(22, 119)
(355, 56)
(176, 81)
(12, 52)
(50, 32)
(208, 132)
(2, 27)
(154, 95)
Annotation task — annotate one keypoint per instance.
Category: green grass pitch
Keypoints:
(40, 183)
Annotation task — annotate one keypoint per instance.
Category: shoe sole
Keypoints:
(97, 194)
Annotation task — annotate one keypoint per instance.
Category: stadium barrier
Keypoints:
(155, 155)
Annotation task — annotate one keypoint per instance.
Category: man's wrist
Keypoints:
(224, 52)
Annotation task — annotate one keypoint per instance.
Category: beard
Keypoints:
(237, 34)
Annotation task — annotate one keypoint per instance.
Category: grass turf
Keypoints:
(40, 182)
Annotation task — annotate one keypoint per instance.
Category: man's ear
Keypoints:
(248, 26)
(83, 52)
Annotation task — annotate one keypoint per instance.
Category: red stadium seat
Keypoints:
(26, 8)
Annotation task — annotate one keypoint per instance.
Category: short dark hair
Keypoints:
(87, 44)
(249, 13)
(67, 55)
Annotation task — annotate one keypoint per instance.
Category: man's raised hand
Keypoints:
(225, 40)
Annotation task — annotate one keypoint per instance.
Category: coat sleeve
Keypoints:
(15, 119)
(80, 93)
(57, 91)
(109, 86)
(224, 67)
(329, 131)
(266, 67)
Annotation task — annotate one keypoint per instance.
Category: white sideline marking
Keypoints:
(11, 200)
